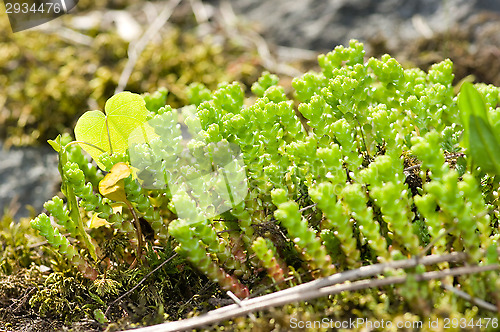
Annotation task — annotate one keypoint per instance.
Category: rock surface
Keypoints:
(28, 176)
(322, 24)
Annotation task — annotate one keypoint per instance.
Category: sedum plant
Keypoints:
(376, 163)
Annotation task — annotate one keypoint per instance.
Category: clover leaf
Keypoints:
(109, 131)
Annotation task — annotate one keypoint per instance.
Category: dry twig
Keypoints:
(477, 301)
(135, 49)
(344, 281)
(140, 282)
(250, 37)
(199, 11)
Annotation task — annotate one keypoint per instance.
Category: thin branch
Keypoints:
(238, 302)
(269, 301)
(139, 283)
(372, 270)
(411, 168)
(138, 231)
(67, 34)
(73, 36)
(308, 207)
(454, 155)
(230, 25)
(477, 301)
(19, 303)
(199, 293)
(135, 50)
(294, 53)
(199, 11)
(431, 244)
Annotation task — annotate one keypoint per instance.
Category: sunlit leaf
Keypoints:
(56, 143)
(109, 131)
(96, 222)
(470, 102)
(112, 185)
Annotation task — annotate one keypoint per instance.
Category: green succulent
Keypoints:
(328, 196)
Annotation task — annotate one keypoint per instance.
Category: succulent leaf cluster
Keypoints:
(324, 187)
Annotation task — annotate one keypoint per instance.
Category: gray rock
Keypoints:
(28, 176)
(322, 24)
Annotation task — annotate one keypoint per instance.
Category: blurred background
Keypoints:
(53, 73)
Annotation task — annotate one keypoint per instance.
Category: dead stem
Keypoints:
(139, 283)
(477, 301)
(138, 230)
(135, 49)
(334, 284)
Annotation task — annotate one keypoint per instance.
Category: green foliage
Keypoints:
(305, 238)
(266, 80)
(156, 100)
(389, 192)
(338, 186)
(198, 93)
(355, 200)
(266, 252)
(336, 220)
(482, 142)
(62, 245)
(16, 236)
(194, 250)
(110, 131)
(61, 295)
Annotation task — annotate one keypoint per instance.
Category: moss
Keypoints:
(50, 81)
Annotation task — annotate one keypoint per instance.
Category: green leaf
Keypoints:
(100, 317)
(483, 145)
(461, 166)
(55, 143)
(479, 136)
(470, 102)
(110, 130)
(72, 203)
(156, 100)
